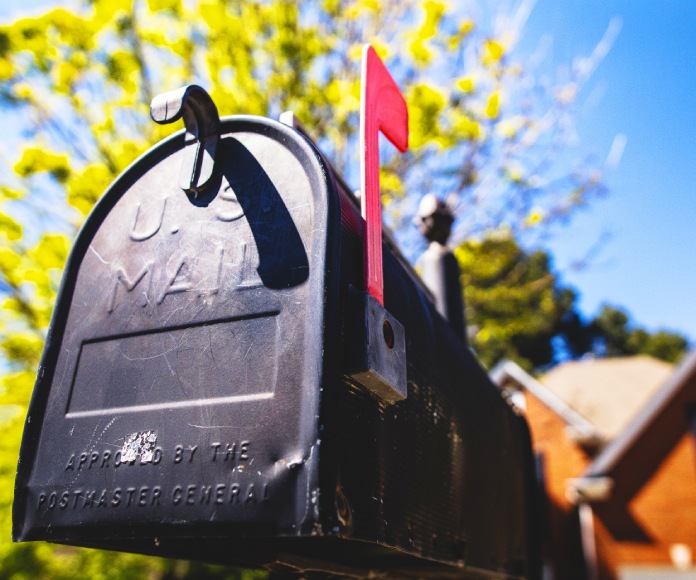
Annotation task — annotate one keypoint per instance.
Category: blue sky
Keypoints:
(644, 89)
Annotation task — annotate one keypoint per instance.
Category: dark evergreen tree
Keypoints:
(615, 334)
(518, 309)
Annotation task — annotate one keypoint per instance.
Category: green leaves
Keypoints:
(421, 50)
(618, 335)
(426, 105)
(23, 347)
(512, 299)
(469, 93)
(174, 6)
(123, 69)
(39, 160)
(85, 187)
(71, 28)
(493, 52)
(493, 106)
(31, 276)
(10, 228)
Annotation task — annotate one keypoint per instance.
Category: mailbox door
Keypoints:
(178, 393)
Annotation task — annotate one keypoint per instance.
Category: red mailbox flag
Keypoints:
(382, 108)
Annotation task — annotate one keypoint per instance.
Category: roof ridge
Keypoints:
(614, 451)
(544, 394)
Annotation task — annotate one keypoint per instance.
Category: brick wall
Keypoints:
(665, 509)
(563, 459)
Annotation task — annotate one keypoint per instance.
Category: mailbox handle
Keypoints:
(202, 123)
(382, 108)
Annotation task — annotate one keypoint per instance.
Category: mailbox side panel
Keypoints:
(179, 391)
(445, 474)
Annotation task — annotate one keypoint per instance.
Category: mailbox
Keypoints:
(202, 393)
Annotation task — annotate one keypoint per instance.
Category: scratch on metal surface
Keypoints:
(166, 359)
(299, 206)
(172, 314)
(210, 347)
(164, 354)
(213, 426)
(248, 350)
(92, 442)
(65, 365)
(102, 260)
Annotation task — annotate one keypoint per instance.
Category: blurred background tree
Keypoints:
(518, 308)
(514, 301)
(617, 335)
(75, 89)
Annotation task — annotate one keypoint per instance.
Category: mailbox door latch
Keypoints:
(202, 123)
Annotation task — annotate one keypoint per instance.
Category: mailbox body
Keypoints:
(194, 398)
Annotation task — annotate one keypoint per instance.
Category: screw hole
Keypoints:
(388, 333)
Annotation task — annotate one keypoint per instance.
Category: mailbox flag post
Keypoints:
(379, 343)
(382, 108)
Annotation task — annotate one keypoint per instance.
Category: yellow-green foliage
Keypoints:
(513, 300)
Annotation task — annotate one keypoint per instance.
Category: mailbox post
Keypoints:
(437, 265)
(199, 394)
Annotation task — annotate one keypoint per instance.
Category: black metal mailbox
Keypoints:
(196, 396)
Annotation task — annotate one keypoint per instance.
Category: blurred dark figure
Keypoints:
(437, 265)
